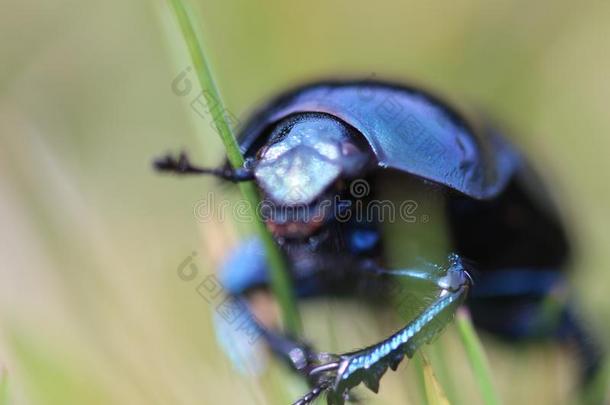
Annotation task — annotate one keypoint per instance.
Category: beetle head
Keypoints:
(301, 170)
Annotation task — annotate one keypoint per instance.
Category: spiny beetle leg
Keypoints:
(368, 365)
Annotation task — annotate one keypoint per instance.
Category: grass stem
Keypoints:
(476, 356)
(280, 280)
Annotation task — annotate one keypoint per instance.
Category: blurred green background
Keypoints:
(91, 308)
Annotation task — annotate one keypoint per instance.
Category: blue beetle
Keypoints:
(305, 147)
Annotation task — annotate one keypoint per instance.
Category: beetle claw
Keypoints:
(330, 377)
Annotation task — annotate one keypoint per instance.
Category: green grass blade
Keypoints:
(439, 360)
(418, 365)
(3, 387)
(206, 80)
(434, 391)
(476, 356)
(280, 281)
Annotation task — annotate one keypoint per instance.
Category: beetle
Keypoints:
(304, 149)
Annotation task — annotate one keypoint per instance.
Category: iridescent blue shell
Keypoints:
(407, 130)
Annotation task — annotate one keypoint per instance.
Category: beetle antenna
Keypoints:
(183, 166)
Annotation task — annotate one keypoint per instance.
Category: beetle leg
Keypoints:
(183, 166)
(246, 269)
(368, 365)
(297, 354)
(573, 332)
(428, 272)
(535, 302)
